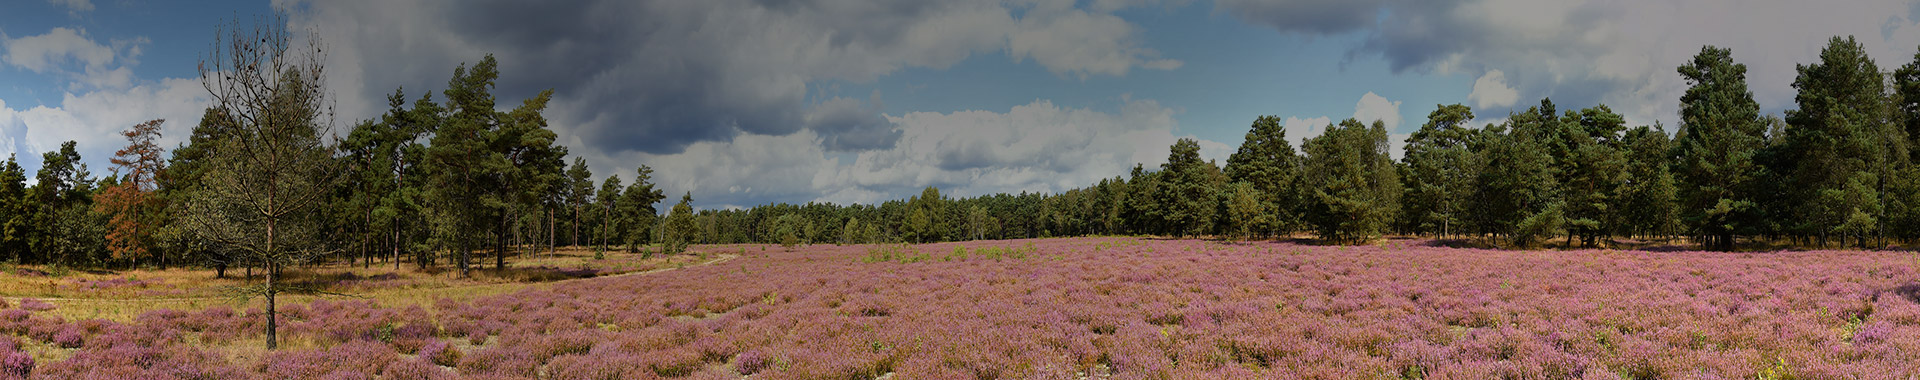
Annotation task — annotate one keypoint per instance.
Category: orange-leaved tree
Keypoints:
(130, 203)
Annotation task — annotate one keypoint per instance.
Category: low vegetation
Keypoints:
(1072, 308)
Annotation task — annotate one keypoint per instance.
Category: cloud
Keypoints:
(1077, 42)
(48, 52)
(94, 120)
(71, 54)
(1310, 16)
(74, 7)
(1583, 52)
(1491, 91)
(1372, 107)
(1299, 130)
(102, 98)
(846, 124)
(1035, 147)
(659, 76)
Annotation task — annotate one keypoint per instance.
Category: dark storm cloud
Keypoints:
(848, 125)
(1307, 16)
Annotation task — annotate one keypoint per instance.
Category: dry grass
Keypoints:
(124, 295)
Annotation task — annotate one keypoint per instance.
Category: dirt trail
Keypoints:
(722, 259)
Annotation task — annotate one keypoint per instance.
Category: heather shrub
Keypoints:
(16, 365)
(500, 360)
(35, 304)
(438, 352)
(598, 366)
(752, 361)
(415, 369)
(360, 358)
(69, 337)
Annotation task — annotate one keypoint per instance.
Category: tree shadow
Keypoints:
(1910, 291)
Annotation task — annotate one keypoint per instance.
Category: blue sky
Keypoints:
(745, 102)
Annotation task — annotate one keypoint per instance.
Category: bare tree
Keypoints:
(268, 179)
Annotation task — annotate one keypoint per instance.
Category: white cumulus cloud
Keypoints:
(1491, 91)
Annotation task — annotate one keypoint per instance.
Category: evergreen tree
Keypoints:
(1647, 196)
(1594, 172)
(1517, 193)
(1721, 132)
(1440, 166)
(1843, 143)
(1267, 162)
(534, 167)
(1186, 196)
(1353, 190)
(463, 167)
(579, 193)
(680, 227)
(16, 211)
(609, 195)
(66, 222)
(635, 206)
(1241, 208)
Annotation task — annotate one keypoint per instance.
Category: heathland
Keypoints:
(1066, 308)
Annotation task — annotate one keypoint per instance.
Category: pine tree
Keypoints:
(1268, 162)
(1647, 196)
(1187, 194)
(1440, 167)
(609, 195)
(680, 229)
(1594, 172)
(1842, 143)
(1721, 132)
(1353, 191)
(1517, 194)
(579, 193)
(16, 211)
(636, 207)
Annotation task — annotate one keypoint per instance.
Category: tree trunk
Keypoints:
(553, 246)
(500, 244)
(273, 320)
(606, 218)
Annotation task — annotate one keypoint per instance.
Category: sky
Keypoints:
(749, 102)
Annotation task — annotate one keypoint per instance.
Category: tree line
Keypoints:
(1836, 171)
(439, 180)
(264, 182)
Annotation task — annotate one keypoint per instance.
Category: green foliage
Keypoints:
(1647, 195)
(1242, 209)
(1539, 226)
(788, 229)
(926, 221)
(1594, 173)
(1186, 201)
(1721, 132)
(1841, 142)
(16, 212)
(1354, 190)
(680, 228)
(1267, 162)
(1440, 167)
(635, 208)
(609, 194)
(1517, 180)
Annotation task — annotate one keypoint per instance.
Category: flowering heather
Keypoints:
(1079, 308)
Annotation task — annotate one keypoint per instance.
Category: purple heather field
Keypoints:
(1119, 308)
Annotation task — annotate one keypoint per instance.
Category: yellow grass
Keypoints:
(195, 289)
